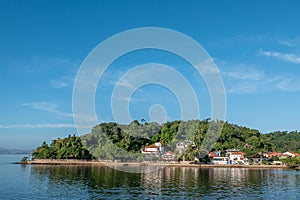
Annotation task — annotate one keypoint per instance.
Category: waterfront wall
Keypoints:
(170, 164)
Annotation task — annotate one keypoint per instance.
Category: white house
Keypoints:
(236, 157)
(180, 147)
(214, 154)
(159, 146)
(272, 154)
(220, 160)
(290, 154)
(150, 149)
(155, 148)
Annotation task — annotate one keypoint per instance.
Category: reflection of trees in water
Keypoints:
(236, 177)
(167, 181)
(187, 181)
(201, 182)
(152, 182)
(238, 181)
(93, 176)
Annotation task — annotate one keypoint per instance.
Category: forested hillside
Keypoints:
(116, 141)
(285, 141)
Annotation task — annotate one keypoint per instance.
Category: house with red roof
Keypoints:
(150, 149)
(214, 154)
(156, 148)
(272, 154)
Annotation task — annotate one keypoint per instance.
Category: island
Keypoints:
(176, 143)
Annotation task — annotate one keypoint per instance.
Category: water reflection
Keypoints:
(93, 176)
(169, 182)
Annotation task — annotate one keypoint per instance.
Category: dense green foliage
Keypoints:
(118, 141)
(285, 141)
(114, 141)
(291, 162)
(67, 148)
(232, 137)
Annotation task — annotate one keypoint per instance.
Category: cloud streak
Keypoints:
(37, 126)
(58, 84)
(286, 57)
(291, 42)
(246, 79)
(288, 85)
(63, 82)
(255, 75)
(48, 107)
(242, 78)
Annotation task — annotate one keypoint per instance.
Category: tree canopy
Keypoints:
(117, 141)
(114, 141)
(67, 148)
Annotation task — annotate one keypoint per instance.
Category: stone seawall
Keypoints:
(162, 164)
(62, 162)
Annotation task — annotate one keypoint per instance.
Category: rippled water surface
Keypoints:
(96, 182)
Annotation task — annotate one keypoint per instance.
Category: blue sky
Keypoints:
(256, 46)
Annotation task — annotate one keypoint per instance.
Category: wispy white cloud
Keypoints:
(287, 57)
(124, 83)
(207, 67)
(37, 126)
(288, 84)
(254, 75)
(45, 106)
(48, 107)
(58, 84)
(287, 43)
(243, 88)
(246, 79)
(290, 42)
(42, 125)
(132, 99)
(250, 80)
(65, 81)
(242, 78)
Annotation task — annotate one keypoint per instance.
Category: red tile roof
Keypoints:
(271, 154)
(212, 154)
(152, 146)
(238, 153)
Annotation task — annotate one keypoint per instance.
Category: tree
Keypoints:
(291, 162)
(67, 148)
(113, 140)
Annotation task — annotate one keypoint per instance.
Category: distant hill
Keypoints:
(14, 151)
(115, 141)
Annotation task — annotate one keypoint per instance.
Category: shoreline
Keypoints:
(137, 164)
